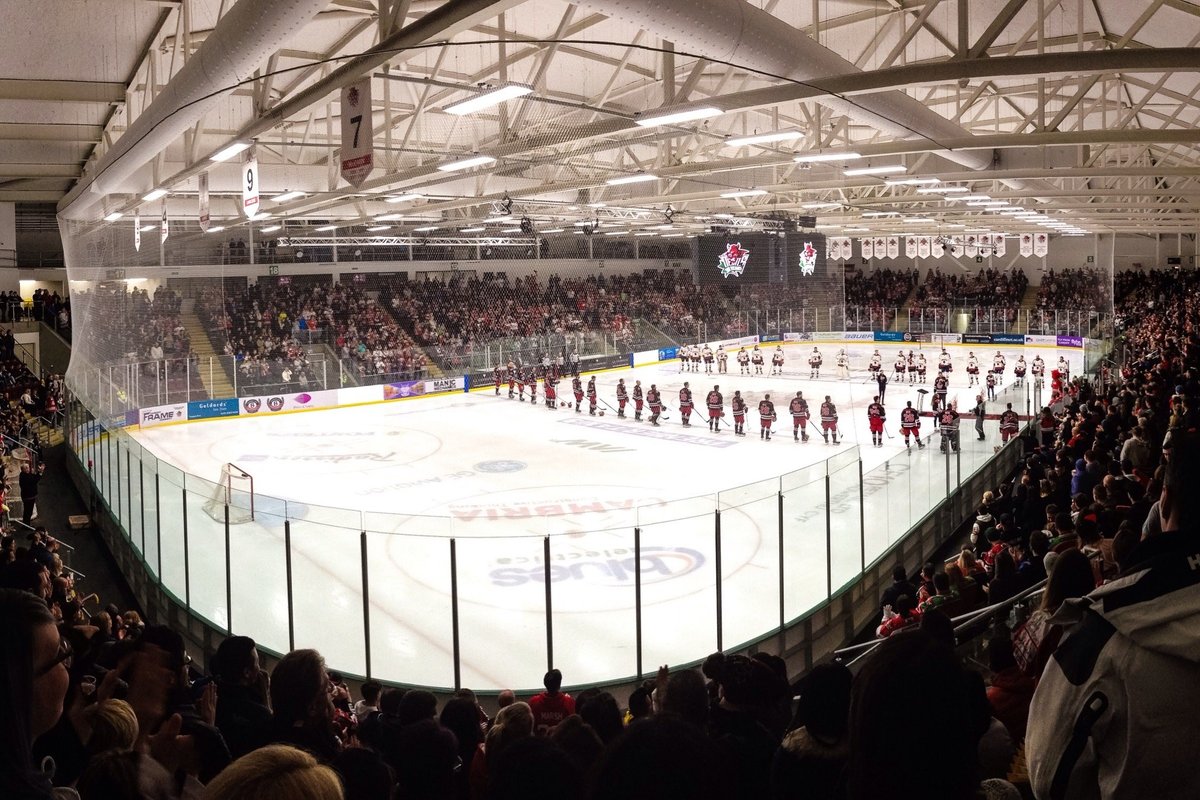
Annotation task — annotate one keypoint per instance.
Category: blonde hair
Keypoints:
(275, 772)
(512, 723)
(114, 726)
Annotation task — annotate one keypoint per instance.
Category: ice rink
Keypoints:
(498, 476)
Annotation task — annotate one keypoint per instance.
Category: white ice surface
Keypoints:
(498, 476)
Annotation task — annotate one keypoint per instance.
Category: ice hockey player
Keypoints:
(991, 386)
(922, 367)
(777, 361)
(876, 363)
(551, 391)
(941, 384)
(1039, 370)
(876, 416)
(1009, 424)
(716, 408)
(911, 364)
(739, 414)
(766, 415)
(1064, 370)
(695, 353)
(757, 359)
(685, 405)
(496, 378)
(881, 380)
(532, 385)
(655, 402)
(577, 388)
(575, 362)
(829, 420)
(684, 354)
(591, 395)
(799, 409)
(622, 397)
(899, 367)
(1019, 370)
(722, 359)
(944, 362)
(910, 425)
(558, 364)
(814, 364)
(545, 364)
(999, 364)
(637, 401)
(843, 365)
(743, 359)
(707, 354)
(980, 411)
(520, 384)
(512, 378)
(948, 420)
(972, 369)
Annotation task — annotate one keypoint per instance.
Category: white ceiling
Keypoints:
(1117, 144)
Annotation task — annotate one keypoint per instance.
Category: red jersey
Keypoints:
(766, 410)
(739, 408)
(799, 407)
(653, 399)
(875, 411)
(715, 400)
(685, 398)
(909, 418)
(621, 394)
(549, 710)
(828, 412)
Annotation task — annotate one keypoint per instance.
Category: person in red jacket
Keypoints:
(551, 706)
(1011, 691)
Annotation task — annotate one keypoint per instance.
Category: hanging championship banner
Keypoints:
(880, 247)
(971, 249)
(998, 246)
(910, 246)
(847, 248)
(985, 243)
(250, 187)
(1026, 244)
(937, 247)
(893, 246)
(868, 248)
(923, 247)
(1041, 244)
(358, 145)
(165, 228)
(137, 231)
(204, 218)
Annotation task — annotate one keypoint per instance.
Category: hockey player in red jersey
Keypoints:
(622, 397)
(1010, 423)
(876, 416)
(829, 420)
(716, 408)
(591, 395)
(496, 378)
(551, 392)
(577, 388)
(654, 400)
(512, 378)
(799, 410)
(521, 385)
(910, 425)
(685, 405)
(532, 386)
(766, 415)
(738, 405)
(637, 401)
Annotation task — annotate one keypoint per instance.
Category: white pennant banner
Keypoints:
(204, 216)
(998, 246)
(923, 247)
(137, 231)
(165, 228)
(1026, 244)
(1041, 244)
(937, 247)
(868, 248)
(893, 247)
(910, 246)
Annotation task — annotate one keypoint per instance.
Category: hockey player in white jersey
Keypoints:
(972, 369)
(777, 361)
(843, 365)
(814, 363)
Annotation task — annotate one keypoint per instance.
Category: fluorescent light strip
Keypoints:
(271, 229)
(378, 228)
(617, 233)
(488, 99)
(472, 230)
(816, 158)
(881, 213)
(425, 229)
(674, 117)
(324, 228)
(404, 198)
(230, 151)
(821, 205)
(145, 228)
(744, 193)
(154, 195)
(215, 229)
(763, 138)
(510, 230)
(944, 190)
(641, 177)
(114, 216)
(975, 197)
(389, 217)
(466, 163)
(911, 182)
(501, 218)
(883, 170)
(552, 230)
(920, 220)
(283, 198)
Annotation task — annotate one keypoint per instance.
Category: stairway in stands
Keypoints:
(435, 369)
(1028, 304)
(900, 323)
(217, 381)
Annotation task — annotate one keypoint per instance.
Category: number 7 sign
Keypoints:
(358, 146)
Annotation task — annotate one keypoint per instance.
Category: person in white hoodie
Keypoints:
(1114, 715)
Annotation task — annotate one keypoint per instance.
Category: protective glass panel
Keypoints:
(170, 521)
(844, 509)
(327, 597)
(749, 561)
(258, 571)
(206, 551)
(805, 554)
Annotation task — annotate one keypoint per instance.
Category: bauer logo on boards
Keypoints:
(732, 262)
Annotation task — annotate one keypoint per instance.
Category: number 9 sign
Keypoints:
(250, 187)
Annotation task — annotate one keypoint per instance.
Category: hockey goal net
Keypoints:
(235, 490)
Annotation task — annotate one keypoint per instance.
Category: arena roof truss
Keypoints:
(1084, 110)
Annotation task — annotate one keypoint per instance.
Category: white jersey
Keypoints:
(708, 354)
(998, 363)
(1039, 366)
(843, 360)
(972, 363)
(944, 361)
(876, 360)
(777, 356)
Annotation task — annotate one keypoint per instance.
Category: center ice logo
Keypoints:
(733, 260)
(808, 260)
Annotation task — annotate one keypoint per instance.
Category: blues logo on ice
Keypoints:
(808, 259)
(733, 261)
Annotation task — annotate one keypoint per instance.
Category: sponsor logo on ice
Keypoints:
(658, 564)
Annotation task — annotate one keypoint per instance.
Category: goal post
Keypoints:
(235, 490)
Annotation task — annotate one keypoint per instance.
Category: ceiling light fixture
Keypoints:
(641, 177)
(378, 228)
(763, 138)
(887, 169)
(404, 198)
(744, 193)
(325, 228)
(425, 229)
(230, 151)
(674, 117)
(271, 229)
(472, 230)
(283, 198)
(466, 163)
(154, 195)
(488, 99)
(816, 158)
(114, 216)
